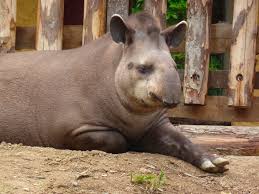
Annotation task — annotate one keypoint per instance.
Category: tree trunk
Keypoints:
(94, 20)
(120, 7)
(7, 25)
(242, 53)
(197, 51)
(50, 25)
(157, 8)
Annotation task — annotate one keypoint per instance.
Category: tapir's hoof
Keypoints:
(214, 164)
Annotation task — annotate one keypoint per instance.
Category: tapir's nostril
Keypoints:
(154, 96)
(166, 103)
(170, 104)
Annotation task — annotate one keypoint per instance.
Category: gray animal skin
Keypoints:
(111, 94)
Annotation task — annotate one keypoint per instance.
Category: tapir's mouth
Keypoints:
(165, 103)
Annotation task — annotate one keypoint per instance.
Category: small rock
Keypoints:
(75, 184)
(113, 171)
(26, 189)
(144, 170)
(84, 174)
(150, 166)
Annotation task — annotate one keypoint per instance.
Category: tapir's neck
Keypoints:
(102, 58)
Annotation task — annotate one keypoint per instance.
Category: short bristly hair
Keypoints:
(144, 22)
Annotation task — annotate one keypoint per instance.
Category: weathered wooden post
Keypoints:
(7, 25)
(157, 8)
(94, 20)
(242, 53)
(50, 24)
(120, 7)
(197, 51)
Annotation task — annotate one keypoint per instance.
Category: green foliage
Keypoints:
(215, 92)
(152, 182)
(176, 11)
(179, 59)
(216, 62)
(137, 6)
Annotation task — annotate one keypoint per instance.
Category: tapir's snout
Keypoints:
(170, 100)
(168, 90)
(170, 104)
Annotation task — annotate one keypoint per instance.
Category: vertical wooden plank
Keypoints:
(26, 14)
(7, 25)
(242, 53)
(49, 24)
(94, 20)
(158, 9)
(197, 51)
(120, 7)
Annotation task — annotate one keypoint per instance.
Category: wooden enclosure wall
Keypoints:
(85, 20)
(7, 25)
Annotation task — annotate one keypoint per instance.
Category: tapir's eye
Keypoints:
(145, 69)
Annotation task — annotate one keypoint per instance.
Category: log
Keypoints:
(94, 20)
(120, 7)
(49, 24)
(197, 51)
(157, 9)
(230, 140)
(7, 25)
(242, 53)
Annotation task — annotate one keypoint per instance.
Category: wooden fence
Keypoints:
(235, 38)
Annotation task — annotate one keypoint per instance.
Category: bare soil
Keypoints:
(46, 170)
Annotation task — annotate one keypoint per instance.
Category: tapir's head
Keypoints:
(146, 78)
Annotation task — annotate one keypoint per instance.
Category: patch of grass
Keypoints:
(151, 181)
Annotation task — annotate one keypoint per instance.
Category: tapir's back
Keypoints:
(40, 91)
(20, 77)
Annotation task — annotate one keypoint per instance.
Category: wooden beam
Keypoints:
(220, 40)
(242, 53)
(49, 24)
(218, 79)
(197, 51)
(219, 44)
(25, 39)
(72, 36)
(231, 140)
(120, 7)
(7, 25)
(216, 109)
(94, 20)
(158, 9)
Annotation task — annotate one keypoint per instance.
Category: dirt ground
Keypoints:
(46, 170)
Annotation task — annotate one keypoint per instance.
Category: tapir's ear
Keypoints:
(174, 35)
(119, 29)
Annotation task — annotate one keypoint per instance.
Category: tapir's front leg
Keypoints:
(166, 140)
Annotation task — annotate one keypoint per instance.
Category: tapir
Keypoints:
(110, 95)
